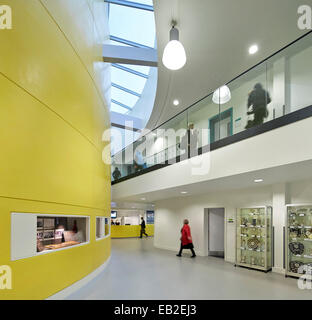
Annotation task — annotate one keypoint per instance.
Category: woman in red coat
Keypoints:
(186, 239)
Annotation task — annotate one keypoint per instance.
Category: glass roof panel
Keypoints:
(128, 80)
(124, 97)
(118, 109)
(136, 25)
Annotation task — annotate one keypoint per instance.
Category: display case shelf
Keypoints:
(254, 238)
(298, 239)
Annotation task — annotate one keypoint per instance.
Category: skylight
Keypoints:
(132, 24)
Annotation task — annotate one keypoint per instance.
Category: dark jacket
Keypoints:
(116, 174)
(258, 98)
(143, 224)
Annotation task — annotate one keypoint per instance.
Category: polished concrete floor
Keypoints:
(138, 271)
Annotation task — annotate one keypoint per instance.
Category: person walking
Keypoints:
(258, 99)
(143, 228)
(186, 239)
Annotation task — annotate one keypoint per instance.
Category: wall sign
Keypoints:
(150, 217)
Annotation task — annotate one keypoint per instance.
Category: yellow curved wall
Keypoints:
(130, 231)
(53, 91)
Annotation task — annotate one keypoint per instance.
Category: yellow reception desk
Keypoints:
(130, 231)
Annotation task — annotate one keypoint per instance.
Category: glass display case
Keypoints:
(254, 238)
(298, 244)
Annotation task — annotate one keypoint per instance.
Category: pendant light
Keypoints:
(222, 95)
(174, 57)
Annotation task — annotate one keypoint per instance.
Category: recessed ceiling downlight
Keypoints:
(253, 49)
(258, 180)
(176, 102)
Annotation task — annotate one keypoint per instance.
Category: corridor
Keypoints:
(138, 271)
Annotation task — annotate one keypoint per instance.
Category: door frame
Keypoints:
(219, 117)
(206, 230)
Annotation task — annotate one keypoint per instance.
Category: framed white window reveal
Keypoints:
(103, 227)
(34, 234)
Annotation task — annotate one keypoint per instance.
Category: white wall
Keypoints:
(170, 214)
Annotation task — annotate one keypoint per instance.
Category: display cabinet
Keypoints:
(298, 242)
(254, 238)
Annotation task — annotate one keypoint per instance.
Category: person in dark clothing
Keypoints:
(116, 174)
(143, 228)
(186, 239)
(259, 99)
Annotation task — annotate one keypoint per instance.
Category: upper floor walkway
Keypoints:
(259, 120)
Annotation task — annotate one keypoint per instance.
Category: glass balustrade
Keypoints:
(273, 89)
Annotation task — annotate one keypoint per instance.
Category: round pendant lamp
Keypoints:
(222, 95)
(174, 57)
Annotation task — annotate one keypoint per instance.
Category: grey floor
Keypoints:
(138, 271)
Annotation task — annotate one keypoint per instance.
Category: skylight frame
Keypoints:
(121, 104)
(117, 86)
(137, 73)
(129, 42)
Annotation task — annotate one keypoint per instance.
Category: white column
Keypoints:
(280, 199)
(278, 94)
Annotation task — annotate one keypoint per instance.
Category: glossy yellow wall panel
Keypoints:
(52, 115)
(85, 36)
(41, 276)
(45, 158)
(51, 70)
(130, 231)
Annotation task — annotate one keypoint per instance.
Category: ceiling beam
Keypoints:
(130, 55)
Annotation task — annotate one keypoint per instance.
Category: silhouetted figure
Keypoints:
(186, 239)
(258, 99)
(143, 228)
(116, 174)
(189, 141)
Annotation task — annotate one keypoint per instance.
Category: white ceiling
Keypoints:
(216, 35)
